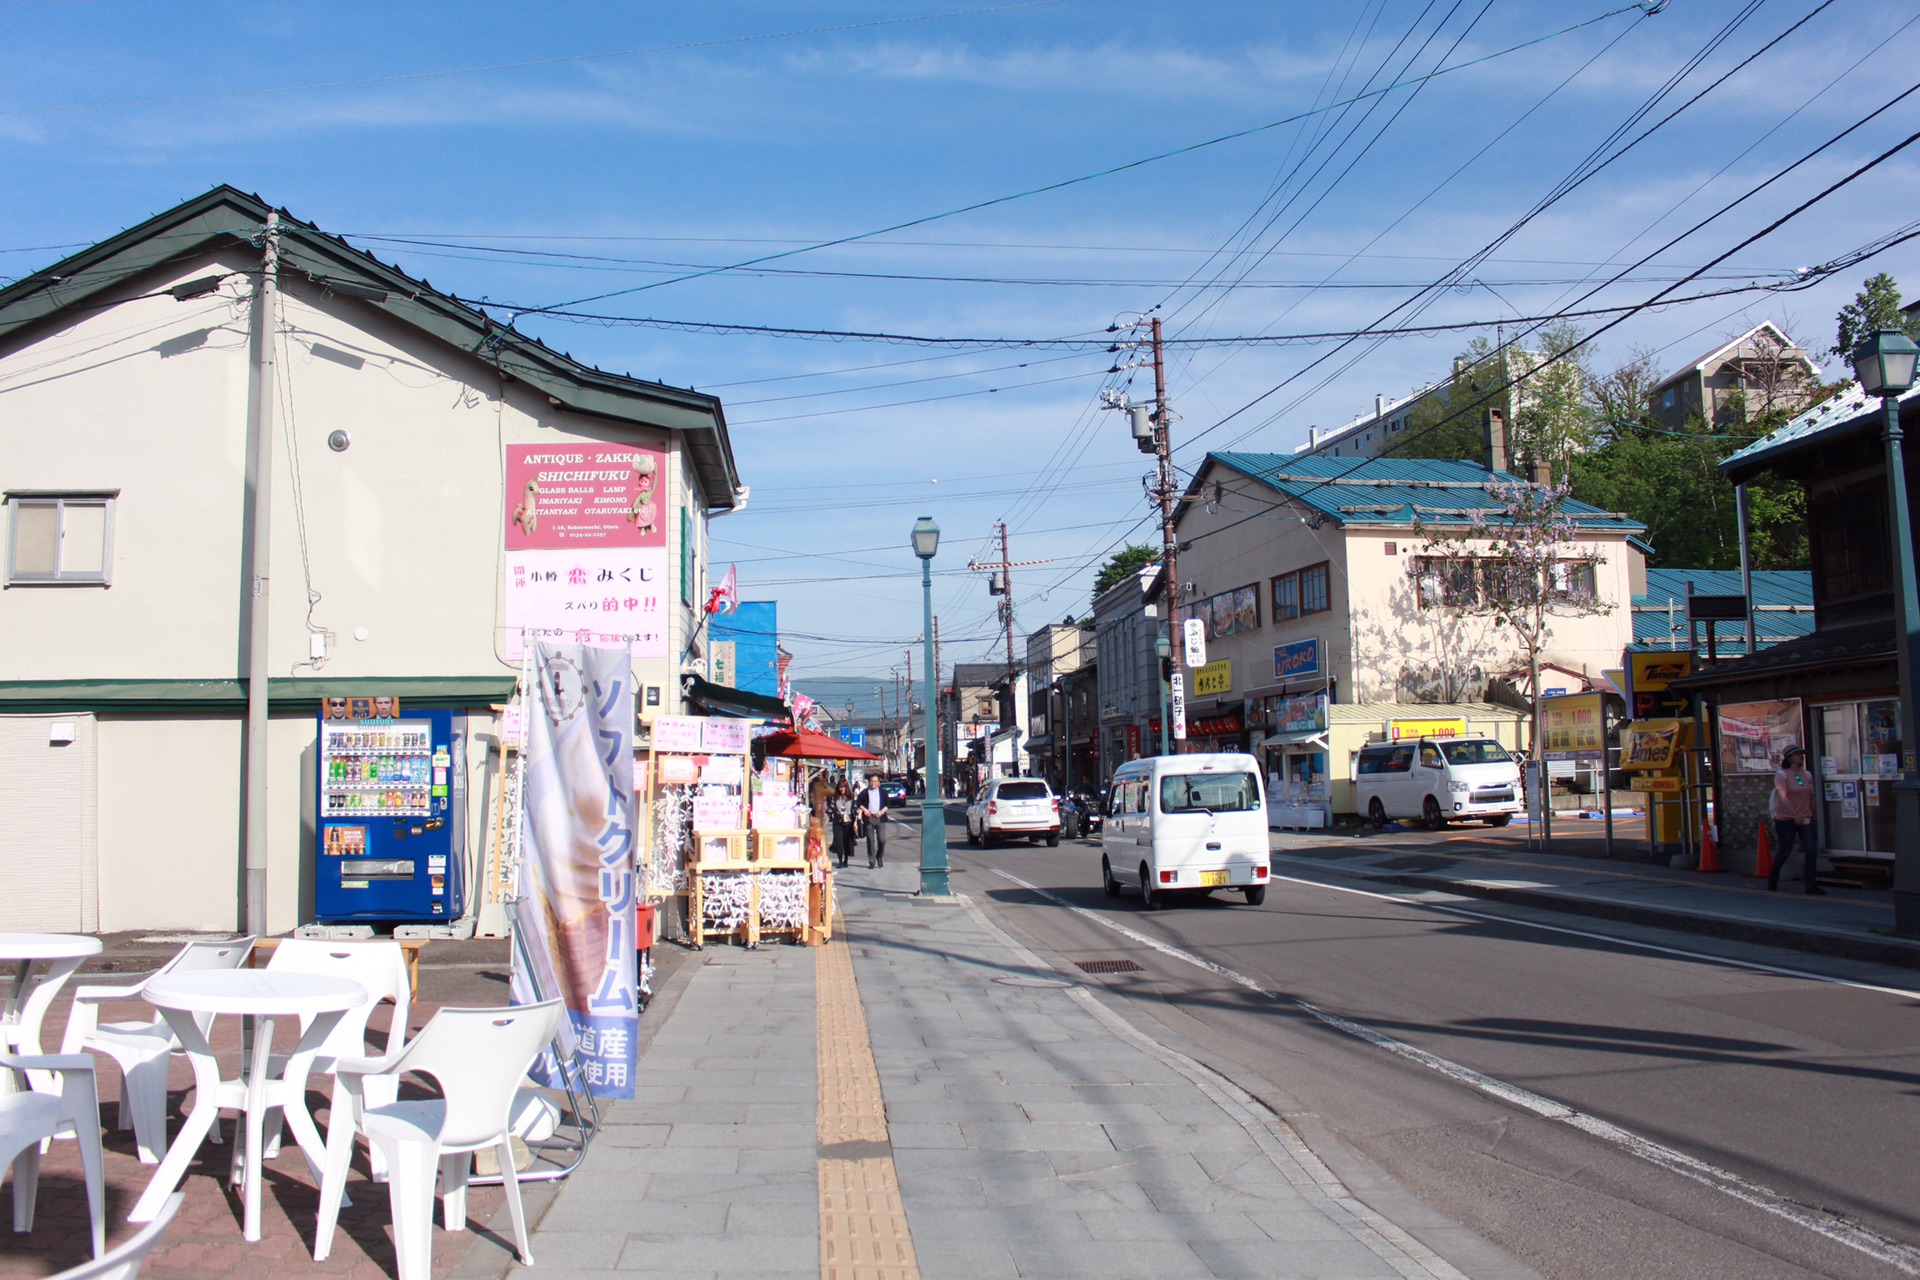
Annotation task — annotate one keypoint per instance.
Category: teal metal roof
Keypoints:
(1782, 600)
(1396, 491)
(1845, 414)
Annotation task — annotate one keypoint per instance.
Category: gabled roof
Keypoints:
(1849, 413)
(225, 217)
(1734, 344)
(1389, 491)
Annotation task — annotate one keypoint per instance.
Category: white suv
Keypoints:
(1011, 808)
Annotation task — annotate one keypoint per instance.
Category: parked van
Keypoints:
(1438, 780)
(1178, 824)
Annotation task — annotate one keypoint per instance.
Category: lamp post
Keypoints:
(1884, 364)
(933, 805)
(1163, 649)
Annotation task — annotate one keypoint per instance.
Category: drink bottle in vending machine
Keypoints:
(390, 831)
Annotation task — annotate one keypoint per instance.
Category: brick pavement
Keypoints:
(205, 1238)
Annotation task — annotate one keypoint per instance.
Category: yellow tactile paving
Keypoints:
(863, 1223)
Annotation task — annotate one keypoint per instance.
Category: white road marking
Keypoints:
(1843, 1231)
(1470, 913)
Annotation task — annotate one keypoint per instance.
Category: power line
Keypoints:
(1107, 172)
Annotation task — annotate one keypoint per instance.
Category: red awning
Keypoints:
(805, 744)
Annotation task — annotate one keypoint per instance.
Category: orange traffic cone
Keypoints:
(1763, 857)
(1709, 855)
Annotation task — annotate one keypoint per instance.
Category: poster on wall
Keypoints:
(1755, 735)
(586, 547)
(575, 920)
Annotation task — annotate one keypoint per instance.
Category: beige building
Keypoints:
(1760, 372)
(133, 379)
(1316, 592)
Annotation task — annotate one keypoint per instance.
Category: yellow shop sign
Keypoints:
(1215, 677)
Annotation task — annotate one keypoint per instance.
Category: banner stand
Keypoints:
(586, 1118)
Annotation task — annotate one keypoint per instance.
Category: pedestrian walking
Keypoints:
(1792, 810)
(843, 822)
(873, 816)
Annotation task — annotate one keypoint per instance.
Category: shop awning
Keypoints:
(805, 744)
(722, 700)
(1318, 737)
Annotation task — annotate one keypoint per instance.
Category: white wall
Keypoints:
(400, 535)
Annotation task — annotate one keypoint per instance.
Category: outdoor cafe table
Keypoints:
(261, 995)
(42, 962)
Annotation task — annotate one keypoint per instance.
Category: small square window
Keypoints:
(1393, 549)
(60, 538)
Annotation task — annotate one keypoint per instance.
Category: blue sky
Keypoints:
(746, 129)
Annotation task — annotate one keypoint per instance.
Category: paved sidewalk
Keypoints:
(1576, 877)
(963, 1111)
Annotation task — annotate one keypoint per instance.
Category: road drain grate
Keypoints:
(1108, 966)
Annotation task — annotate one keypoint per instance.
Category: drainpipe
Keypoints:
(260, 547)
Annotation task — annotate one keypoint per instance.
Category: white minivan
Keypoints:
(1178, 824)
(1438, 780)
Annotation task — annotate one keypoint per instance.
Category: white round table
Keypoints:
(261, 995)
(42, 964)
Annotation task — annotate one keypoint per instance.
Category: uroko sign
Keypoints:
(1296, 661)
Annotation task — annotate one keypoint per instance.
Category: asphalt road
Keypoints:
(1635, 1113)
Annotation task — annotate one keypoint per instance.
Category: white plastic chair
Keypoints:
(380, 966)
(142, 1049)
(28, 1119)
(479, 1058)
(126, 1259)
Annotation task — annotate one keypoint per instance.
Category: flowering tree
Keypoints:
(1518, 563)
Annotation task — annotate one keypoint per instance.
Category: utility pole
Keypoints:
(1152, 433)
(1001, 584)
(1169, 543)
(937, 693)
(260, 546)
(907, 710)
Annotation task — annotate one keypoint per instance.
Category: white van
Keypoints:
(1186, 823)
(1438, 780)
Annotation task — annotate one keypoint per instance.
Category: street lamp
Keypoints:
(1884, 364)
(933, 805)
(1163, 649)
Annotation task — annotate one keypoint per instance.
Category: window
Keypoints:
(1299, 593)
(1209, 793)
(1446, 580)
(1576, 578)
(1666, 398)
(1022, 791)
(1476, 751)
(1849, 543)
(1286, 597)
(1313, 590)
(1429, 756)
(60, 538)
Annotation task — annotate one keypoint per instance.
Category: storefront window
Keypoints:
(1859, 761)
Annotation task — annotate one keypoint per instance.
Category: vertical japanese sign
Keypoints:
(577, 842)
(586, 547)
(1177, 701)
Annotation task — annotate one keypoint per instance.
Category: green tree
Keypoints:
(1129, 559)
(1876, 306)
(1670, 481)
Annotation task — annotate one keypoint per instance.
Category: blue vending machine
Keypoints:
(389, 833)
